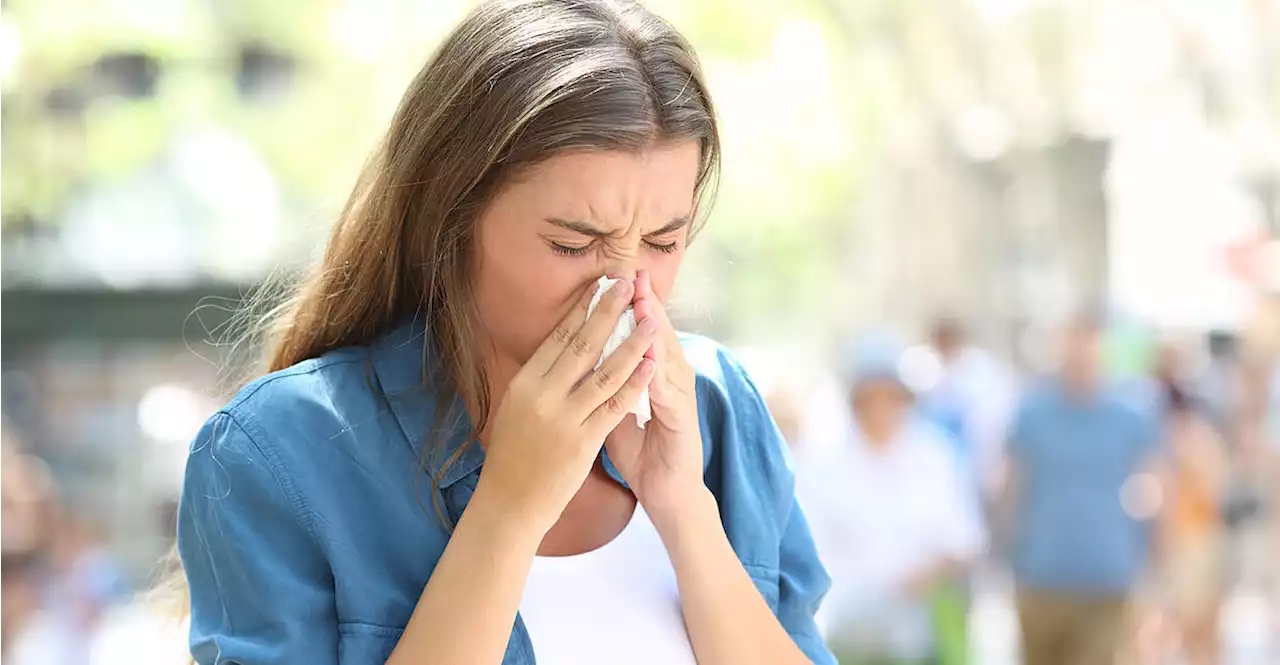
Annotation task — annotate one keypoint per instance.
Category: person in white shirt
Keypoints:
(972, 396)
(890, 514)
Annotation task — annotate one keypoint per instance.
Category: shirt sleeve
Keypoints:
(802, 579)
(802, 582)
(261, 589)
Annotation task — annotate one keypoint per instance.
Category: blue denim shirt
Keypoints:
(308, 524)
(1072, 457)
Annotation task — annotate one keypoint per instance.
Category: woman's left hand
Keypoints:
(662, 462)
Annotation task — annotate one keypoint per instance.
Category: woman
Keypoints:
(434, 433)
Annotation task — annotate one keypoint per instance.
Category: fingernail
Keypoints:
(622, 288)
(648, 325)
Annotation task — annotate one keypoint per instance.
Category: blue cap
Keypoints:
(872, 357)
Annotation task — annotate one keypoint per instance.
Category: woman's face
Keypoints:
(569, 220)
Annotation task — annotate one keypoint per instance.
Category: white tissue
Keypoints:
(621, 331)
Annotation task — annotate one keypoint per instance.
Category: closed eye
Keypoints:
(569, 250)
(668, 248)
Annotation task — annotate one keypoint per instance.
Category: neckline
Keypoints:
(637, 514)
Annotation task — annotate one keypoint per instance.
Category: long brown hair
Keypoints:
(515, 83)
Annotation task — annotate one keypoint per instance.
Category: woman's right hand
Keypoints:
(552, 422)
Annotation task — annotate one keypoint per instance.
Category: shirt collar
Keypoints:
(400, 360)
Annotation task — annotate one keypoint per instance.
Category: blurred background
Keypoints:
(959, 176)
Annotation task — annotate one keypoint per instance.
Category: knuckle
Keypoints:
(614, 405)
(561, 334)
(604, 377)
(579, 345)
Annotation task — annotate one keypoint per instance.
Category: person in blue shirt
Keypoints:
(437, 469)
(1078, 452)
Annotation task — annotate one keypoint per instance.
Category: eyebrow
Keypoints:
(594, 232)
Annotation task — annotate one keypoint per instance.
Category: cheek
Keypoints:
(521, 293)
(663, 269)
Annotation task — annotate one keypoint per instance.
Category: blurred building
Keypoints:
(108, 388)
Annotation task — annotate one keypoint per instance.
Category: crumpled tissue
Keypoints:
(621, 331)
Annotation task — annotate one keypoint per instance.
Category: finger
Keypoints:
(644, 284)
(581, 353)
(644, 301)
(608, 415)
(606, 380)
(666, 350)
(648, 305)
(555, 343)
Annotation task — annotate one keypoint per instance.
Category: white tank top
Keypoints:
(615, 604)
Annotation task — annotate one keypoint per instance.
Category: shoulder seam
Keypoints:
(303, 512)
(300, 369)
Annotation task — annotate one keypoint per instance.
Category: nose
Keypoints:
(629, 275)
(623, 267)
(625, 256)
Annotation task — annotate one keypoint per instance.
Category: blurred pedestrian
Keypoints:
(1076, 454)
(1192, 534)
(1220, 383)
(893, 525)
(84, 580)
(972, 397)
(75, 582)
(25, 492)
(58, 578)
